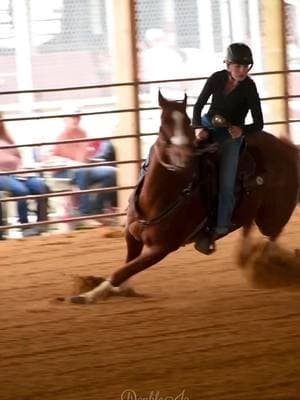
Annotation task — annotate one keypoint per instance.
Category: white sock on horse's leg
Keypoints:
(103, 290)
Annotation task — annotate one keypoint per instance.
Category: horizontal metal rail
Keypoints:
(122, 110)
(61, 221)
(129, 136)
(139, 83)
(101, 163)
(94, 139)
(46, 169)
(62, 193)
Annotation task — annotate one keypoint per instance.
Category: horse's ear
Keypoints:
(161, 99)
(185, 99)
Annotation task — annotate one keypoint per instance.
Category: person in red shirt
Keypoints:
(83, 178)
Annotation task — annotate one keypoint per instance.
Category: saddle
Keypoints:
(251, 171)
(250, 176)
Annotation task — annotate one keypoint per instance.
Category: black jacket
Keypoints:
(234, 106)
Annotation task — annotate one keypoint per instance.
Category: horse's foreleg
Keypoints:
(148, 257)
(134, 247)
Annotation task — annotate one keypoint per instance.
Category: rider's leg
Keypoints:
(230, 150)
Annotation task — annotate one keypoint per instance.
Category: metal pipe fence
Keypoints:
(42, 169)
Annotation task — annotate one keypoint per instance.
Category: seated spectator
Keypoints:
(10, 160)
(83, 178)
(105, 175)
(2, 237)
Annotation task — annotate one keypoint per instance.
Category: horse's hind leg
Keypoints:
(246, 244)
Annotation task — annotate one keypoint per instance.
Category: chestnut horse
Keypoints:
(170, 205)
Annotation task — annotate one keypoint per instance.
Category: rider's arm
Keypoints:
(256, 112)
(202, 100)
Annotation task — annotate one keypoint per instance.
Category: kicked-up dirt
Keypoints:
(202, 330)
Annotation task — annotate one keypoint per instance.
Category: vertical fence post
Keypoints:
(23, 52)
(285, 66)
(274, 50)
(126, 70)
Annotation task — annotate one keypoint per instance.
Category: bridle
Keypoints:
(169, 167)
(176, 140)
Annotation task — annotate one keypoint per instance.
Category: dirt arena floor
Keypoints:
(201, 332)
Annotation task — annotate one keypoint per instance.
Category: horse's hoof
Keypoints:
(74, 299)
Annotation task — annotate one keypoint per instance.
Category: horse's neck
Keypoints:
(162, 186)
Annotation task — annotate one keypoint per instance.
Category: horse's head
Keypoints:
(176, 133)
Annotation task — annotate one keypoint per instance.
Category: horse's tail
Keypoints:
(295, 154)
(294, 148)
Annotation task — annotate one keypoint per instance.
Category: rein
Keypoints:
(168, 142)
(186, 192)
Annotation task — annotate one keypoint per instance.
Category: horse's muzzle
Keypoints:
(180, 156)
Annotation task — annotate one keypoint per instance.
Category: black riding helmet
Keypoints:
(239, 53)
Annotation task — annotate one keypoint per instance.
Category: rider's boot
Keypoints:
(205, 243)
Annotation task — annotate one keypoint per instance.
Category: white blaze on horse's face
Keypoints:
(179, 155)
(179, 138)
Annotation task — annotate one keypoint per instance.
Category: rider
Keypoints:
(234, 93)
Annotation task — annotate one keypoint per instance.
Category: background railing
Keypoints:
(37, 169)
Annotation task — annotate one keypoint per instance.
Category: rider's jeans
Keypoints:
(229, 158)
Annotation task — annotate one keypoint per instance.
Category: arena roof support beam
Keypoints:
(124, 47)
(23, 52)
(275, 58)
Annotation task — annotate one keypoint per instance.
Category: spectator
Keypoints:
(10, 160)
(83, 178)
(1, 223)
(160, 60)
(104, 175)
